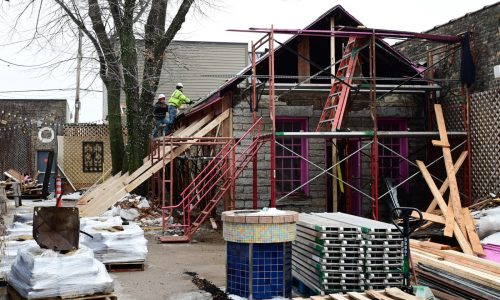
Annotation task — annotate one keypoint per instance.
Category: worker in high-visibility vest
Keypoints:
(176, 100)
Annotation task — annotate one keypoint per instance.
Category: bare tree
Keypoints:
(112, 28)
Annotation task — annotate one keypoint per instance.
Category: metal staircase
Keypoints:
(333, 112)
(207, 189)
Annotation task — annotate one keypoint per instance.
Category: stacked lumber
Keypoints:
(387, 294)
(453, 274)
(457, 220)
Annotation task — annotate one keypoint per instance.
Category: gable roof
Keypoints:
(341, 17)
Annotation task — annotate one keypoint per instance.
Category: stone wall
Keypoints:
(20, 122)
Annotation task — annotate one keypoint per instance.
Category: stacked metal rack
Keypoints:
(383, 259)
(328, 256)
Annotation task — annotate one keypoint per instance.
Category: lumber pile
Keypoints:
(29, 187)
(457, 220)
(453, 274)
(387, 294)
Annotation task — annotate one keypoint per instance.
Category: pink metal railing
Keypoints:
(218, 175)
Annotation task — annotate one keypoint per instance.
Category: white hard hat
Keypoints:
(161, 96)
(179, 85)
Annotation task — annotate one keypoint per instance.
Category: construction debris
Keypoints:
(44, 273)
(135, 208)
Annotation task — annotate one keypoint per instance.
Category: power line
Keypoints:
(50, 90)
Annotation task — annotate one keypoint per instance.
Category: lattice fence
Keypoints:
(15, 151)
(485, 133)
(88, 130)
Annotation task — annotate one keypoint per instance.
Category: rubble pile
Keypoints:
(43, 273)
(113, 241)
(135, 208)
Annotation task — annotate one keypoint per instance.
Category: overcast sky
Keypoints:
(25, 68)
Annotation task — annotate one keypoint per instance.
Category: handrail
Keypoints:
(210, 167)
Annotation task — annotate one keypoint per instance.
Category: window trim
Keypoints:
(304, 147)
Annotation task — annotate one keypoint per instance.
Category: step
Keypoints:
(173, 239)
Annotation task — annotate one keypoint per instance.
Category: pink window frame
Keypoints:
(402, 125)
(304, 170)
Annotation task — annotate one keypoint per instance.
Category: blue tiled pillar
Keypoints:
(259, 271)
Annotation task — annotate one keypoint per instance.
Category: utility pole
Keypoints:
(78, 70)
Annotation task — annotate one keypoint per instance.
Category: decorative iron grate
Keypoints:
(93, 156)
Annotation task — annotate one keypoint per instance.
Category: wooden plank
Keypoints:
(117, 193)
(446, 183)
(357, 296)
(399, 294)
(472, 261)
(338, 297)
(472, 234)
(449, 227)
(450, 170)
(429, 245)
(457, 269)
(377, 295)
(440, 144)
(430, 217)
(462, 241)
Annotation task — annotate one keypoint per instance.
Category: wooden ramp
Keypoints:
(114, 188)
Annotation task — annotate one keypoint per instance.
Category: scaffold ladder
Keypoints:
(333, 112)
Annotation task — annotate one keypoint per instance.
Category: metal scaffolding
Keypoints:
(376, 92)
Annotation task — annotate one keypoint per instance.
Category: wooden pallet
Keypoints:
(125, 267)
(387, 294)
(14, 295)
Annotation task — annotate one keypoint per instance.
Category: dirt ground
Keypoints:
(164, 276)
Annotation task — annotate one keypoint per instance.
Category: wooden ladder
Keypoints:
(331, 118)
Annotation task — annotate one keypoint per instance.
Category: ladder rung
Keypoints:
(326, 121)
(196, 224)
(205, 212)
(213, 200)
(335, 94)
(330, 107)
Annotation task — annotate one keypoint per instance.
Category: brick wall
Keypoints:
(20, 133)
(483, 25)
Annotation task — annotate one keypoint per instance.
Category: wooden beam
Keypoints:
(304, 67)
(357, 296)
(454, 200)
(437, 143)
(457, 269)
(338, 297)
(471, 233)
(449, 226)
(429, 245)
(119, 190)
(462, 240)
(430, 217)
(446, 183)
(399, 294)
(377, 295)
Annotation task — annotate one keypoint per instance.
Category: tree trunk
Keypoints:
(115, 126)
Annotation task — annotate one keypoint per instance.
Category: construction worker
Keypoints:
(159, 113)
(176, 101)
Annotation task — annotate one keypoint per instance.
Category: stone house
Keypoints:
(299, 108)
